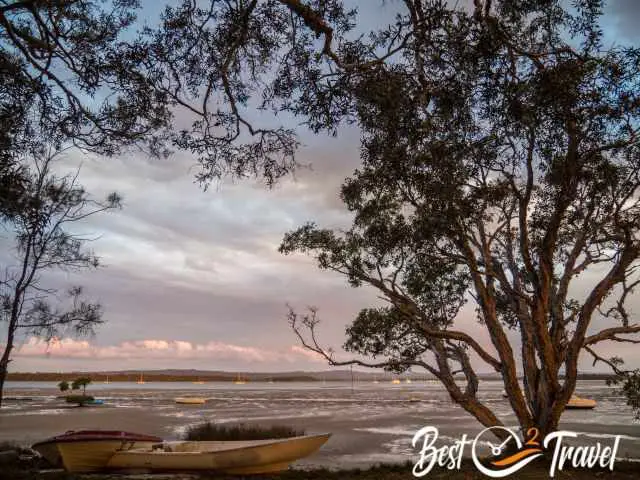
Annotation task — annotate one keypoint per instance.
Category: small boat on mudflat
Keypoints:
(89, 450)
(231, 457)
(575, 403)
(190, 400)
(579, 403)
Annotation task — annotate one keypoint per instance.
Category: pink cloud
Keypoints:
(162, 349)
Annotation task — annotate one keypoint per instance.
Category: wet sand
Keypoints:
(371, 424)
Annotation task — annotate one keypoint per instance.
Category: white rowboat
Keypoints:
(234, 457)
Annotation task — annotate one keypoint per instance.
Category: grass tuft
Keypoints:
(210, 431)
(79, 399)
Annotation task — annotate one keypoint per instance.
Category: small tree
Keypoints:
(81, 382)
(63, 386)
(43, 243)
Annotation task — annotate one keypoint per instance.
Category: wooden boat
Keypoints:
(190, 400)
(232, 457)
(395, 381)
(141, 380)
(89, 450)
(579, 403)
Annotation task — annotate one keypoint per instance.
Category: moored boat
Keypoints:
(579, 403)
(232, 457)
(190, 400)
(89, 450)
(240, 380)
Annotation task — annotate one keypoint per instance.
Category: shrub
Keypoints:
(81, 382)
(79, 399)
(209, 431)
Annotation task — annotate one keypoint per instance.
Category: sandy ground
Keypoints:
(29, 428)
(370, 426)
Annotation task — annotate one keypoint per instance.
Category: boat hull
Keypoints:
(89, 450)
(243, 457)
(190, 400)
(93, 456)
(579, 403)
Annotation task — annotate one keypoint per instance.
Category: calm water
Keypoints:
(371, 423)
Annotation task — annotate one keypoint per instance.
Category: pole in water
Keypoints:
(351, 378)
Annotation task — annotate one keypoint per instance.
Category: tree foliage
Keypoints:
(500, 166)
(218, 62)
(84, 73)
(81, 382)
(68, 72)
(42, 230)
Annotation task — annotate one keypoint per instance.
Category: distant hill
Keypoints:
(189, 375)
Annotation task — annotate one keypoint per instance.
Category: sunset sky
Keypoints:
(193, 279)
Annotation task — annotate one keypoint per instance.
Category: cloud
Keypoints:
(624, 16)
(69, 348)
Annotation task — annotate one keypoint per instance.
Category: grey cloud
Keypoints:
(624, 16)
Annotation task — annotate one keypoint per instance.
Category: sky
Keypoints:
(193, 279)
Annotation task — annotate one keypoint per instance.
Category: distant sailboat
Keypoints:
(140, 380)
(107, 380)
(239, 380)
(375, 379)
(198, 382)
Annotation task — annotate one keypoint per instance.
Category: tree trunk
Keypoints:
(6, 355)
(4, 368)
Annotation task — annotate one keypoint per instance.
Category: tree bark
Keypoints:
(4, 367)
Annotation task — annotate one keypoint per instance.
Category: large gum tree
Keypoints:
(501, 167)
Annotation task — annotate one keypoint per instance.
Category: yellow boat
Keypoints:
(89, 450)
(190, 400)
(232, 457)
(395, 381)
(239, 380)
(579, 403)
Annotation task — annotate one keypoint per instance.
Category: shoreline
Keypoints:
(372, 424)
